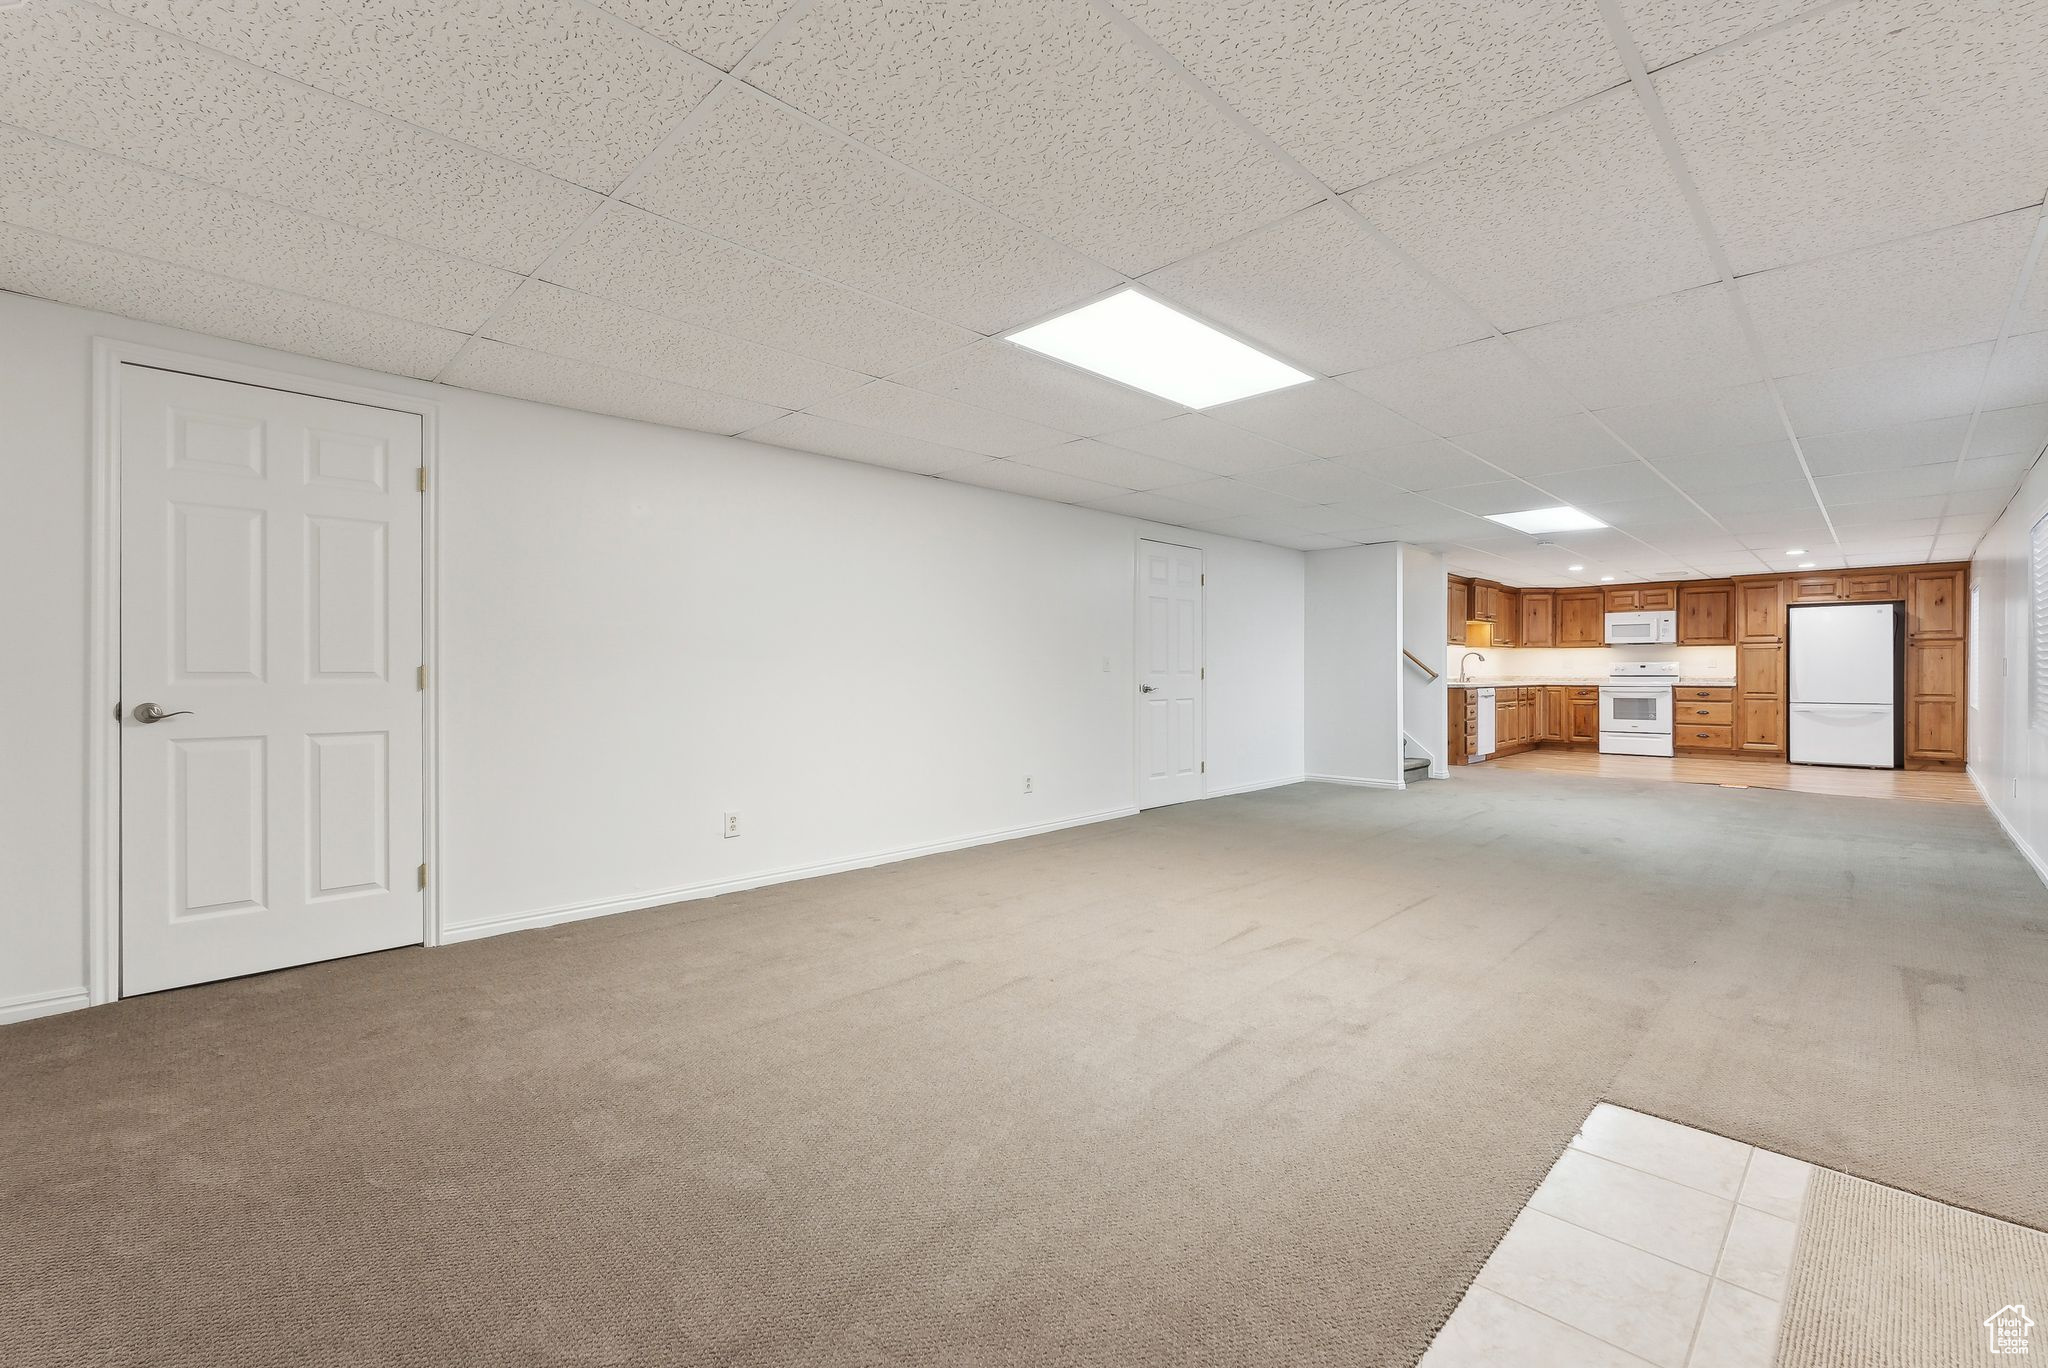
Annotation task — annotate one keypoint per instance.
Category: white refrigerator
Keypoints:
(1845, 669)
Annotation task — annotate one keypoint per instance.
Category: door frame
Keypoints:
(1137, 646)
(103, 636)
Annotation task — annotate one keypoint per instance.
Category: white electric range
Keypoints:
(1635, 708)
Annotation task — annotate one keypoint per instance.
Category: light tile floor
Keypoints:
(1648, 1243)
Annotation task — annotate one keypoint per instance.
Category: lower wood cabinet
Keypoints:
(1760, 696)
(1934, 700)
(1585, 719)
(1760, 724)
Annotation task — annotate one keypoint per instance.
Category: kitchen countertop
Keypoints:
(1524, 681)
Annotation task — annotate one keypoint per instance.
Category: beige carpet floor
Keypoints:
(1254, 1081)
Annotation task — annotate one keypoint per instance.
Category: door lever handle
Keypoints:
(1147, 688)
(150, 712)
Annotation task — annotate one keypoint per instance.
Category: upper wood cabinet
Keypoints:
(1642, 598)
(1538, 618)
(1457, 610)
(1862, 586)
(1486, 601)
(1760, 610)
(1936, 602)
(1507, 624)
(1581, 618)
(1816, 588)
(1706, 614)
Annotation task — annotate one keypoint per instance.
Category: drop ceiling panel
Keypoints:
(1667, 31)
(1839, 491)
(1387, 507)
(1112, 465)
(1677, 344)
(1865, 123)
(1321, 417)
(1782, 497)
(1573, 442)
(1903, 389)
(1091, 140)
(1153, 506)
(1769, 462)
(1194, 439)
(2019, 373)
(1707, 421)
(1573, 214)
(1480, 385)
(521, 374)
(1240, 497)
(2001, 431)
(1425, 465)
(1890, 448)
(1607, 485)
(809, 432)
(1867, 511)
(1318, 291)
(81, 75)
(95, 198)
(547, 84)
(929, 418)
(1012, 478)
(1006, 378)
(1321, 482)
(1342, 87)
(549, 318)
(755, 173)
(1942, 289)
(1495, 496)
(95, 278)
(639, 258)
(719, 31)
(1993, 472)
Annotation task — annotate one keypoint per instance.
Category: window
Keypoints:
(2037, 583)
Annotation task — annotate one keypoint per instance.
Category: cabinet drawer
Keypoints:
(1583, 694)
(1703, 694)
(1688, 713)
(1687, 736)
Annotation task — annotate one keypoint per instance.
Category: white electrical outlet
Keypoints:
(1027, 783)
(732, 825)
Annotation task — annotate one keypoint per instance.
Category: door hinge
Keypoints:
(1205, 577)
(423, 876)
(1205, 767)
(420, 678)
(1205, 672)
(421, 479)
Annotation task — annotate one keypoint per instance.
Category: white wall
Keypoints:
(2008, 758)
(1354, 664)
(642, 628)
(1424, 603)
(1586, 662)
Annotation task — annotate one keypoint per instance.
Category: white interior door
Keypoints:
(270, 607)
(1169, 674)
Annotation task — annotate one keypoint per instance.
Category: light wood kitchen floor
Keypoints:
(1926, 786)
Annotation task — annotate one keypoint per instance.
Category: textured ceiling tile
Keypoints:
(2002, 431)
(1359, 88)
(1903, 389)
(1736, 416)
(755, 173)
(808, 432)
(83, 76)
(1770, 462)
(719, 31)
(1570, 215)
(35, 263)
(1012, 478)
(95, 198)
(1321, 292)
(1112, 465)
(1533, 450)
(2018, 373)
(1155, 507)
(1008, 379)
(1908, 444)
(1194, 439)
(1942, 289)
(1495, 496)
(1322, 417)
(1238, 497)
(1277, 532)
(1678, 344)
(1666, 31)
(914, 413)
(1784, 497)
(1039, 108)
(498, 369)
(544, 83)
(639, 258)
(1389, 507)
(1480, 385)
(1321, 482)
(549, 318)
(1864, 512)
(1837, 491)
(1865, 123)
(1607, 484)
(1425, 465)
(1994, 472)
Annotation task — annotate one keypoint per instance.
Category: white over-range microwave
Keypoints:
(1642, 629)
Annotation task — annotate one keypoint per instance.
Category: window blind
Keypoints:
(2037, 659)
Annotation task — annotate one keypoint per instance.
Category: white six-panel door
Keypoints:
(1169, 674)
(270, 606)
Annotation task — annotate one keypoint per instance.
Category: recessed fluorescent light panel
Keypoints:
(1137, 341)
(1537, 520)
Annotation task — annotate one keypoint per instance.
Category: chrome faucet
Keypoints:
(1462, 674)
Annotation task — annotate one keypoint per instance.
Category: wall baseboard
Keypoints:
(634, 902)
(2012, 833)
(1355, 781)
(43, 1004)
(1255, 786)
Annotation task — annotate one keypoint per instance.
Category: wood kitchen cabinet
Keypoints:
(1538, 618)
(1816, 589)
(1581, 618)
(1485, 601)
(1457, 610)
(1760, 702)
(1860, 587)
(1936, 602)
(1706, 614)
(1937, 609)
(1760, 610)
(1585, 717)
(1506, 625)
(1703, 718)
(1642, 598)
